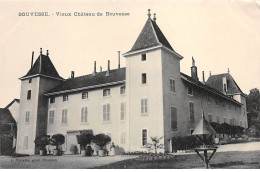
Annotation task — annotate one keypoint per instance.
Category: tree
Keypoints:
(253, 106)
(156, 141)
(101, 140)
(84, 139)
(57, 139)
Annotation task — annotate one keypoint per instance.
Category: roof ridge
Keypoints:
(95, 74)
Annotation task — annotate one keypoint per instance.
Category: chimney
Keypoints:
(149, 14)
(154, 17)
(228, 70)
(47, 53)
(118, 59)
(209, 73)
(100, 68)
(72, 74)
(40, 60)
(32, 59)
(203, 77)
(108, 68)
(194, 74)
(95, 68)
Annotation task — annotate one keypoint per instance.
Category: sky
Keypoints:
(219, 34)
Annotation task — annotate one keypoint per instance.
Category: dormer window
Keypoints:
(65, 97)
(143, 57)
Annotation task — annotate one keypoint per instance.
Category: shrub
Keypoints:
(42, 141)
(84, 139)
(57, 139)
(101, 140)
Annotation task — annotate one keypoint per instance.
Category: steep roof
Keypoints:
(89, 81)
(206, 87)
(150, 36)
(203, 127)
(15, 100)
(43, 66)
(6, 116)
(216, 81)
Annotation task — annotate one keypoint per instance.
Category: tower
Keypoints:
(152, 76)
(33, 112)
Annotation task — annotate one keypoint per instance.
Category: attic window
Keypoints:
(190, 91)
(143, 57)
(52, 100)
(65, 97)
(84, 95)
(30, 80)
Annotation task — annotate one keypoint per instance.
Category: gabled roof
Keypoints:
(43, 66)
(116, 76)
(206, 87)
(150, 36)
(216, 81)
(6, 116)
(10, 104)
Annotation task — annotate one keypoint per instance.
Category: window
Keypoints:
(144, 137)
(29, 92)
(84, 95)
(106, 92)
(25, 142)
(65, 97)
(173, 118)
(143, 78)
(225, 88)
(143, 57)
(122, 90)
(225, 120)
(172, 86)
(191, 111)
(217, 101)
(209, 99)
(106, 112)
(122, 111)
(84, 114)
(51, 117)
(52, 100)
(144, 106)
(190, 91)
(210, 118)
(191, 131)
(122, 138)
(217, 119)
(30, 80)
(64, 118)
(27, 117)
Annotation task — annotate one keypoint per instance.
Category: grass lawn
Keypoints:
(226, 160)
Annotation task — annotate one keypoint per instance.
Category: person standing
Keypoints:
(112, 149)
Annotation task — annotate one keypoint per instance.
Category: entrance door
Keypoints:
(72, 142)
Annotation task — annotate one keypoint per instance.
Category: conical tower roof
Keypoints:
(43, 66)
(203, 127)
(150, 36)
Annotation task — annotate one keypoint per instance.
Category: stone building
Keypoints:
(149, 97)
